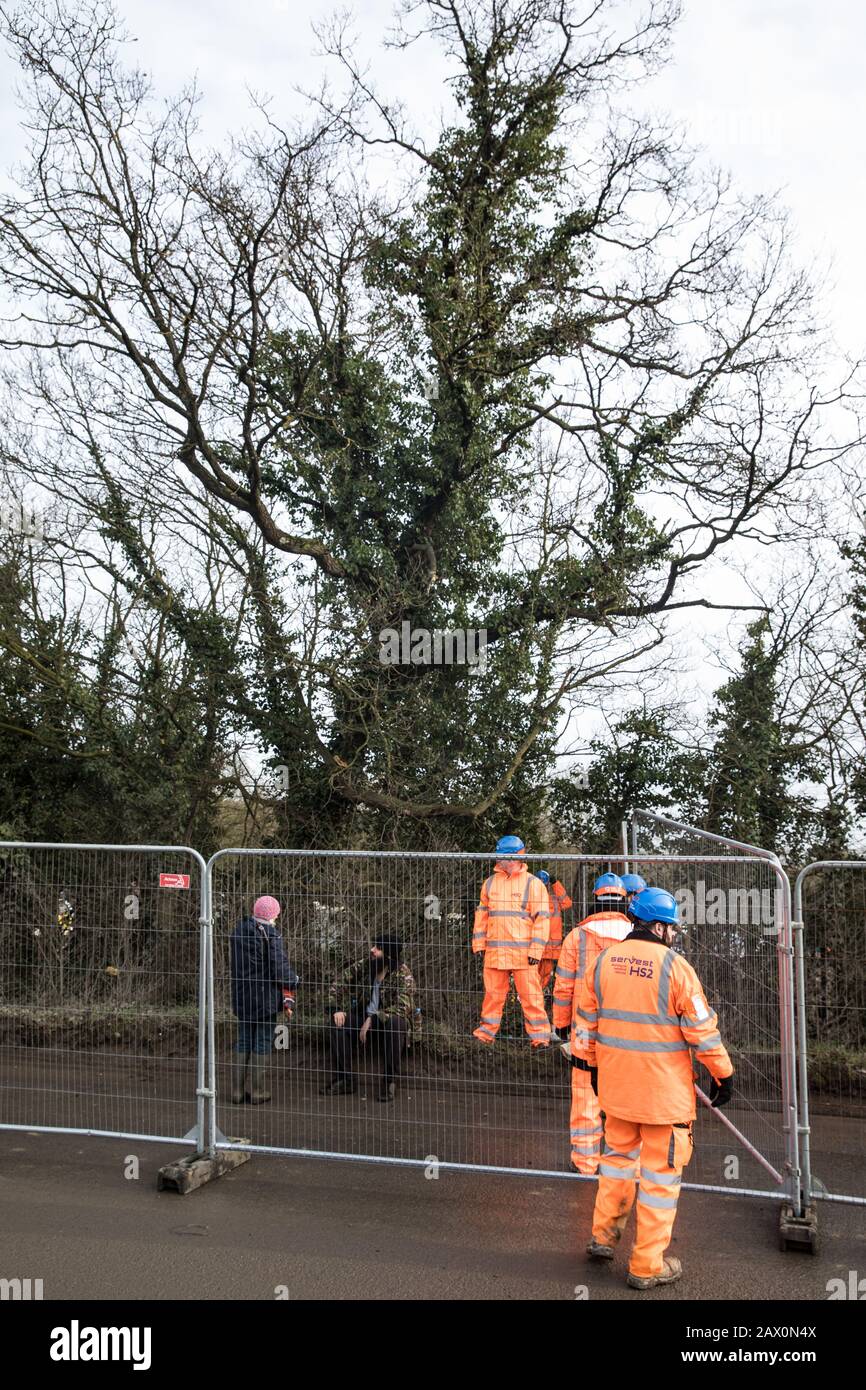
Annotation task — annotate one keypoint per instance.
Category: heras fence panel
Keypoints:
(652, 833)
(102, 979)
(459, 1102)
(739, 916)
(830, 925)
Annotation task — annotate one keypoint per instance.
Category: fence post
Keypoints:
(211, 1022)
(805, 1128)
(785, 954)
(204, 1086)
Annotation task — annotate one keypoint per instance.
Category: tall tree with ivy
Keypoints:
(530, 383)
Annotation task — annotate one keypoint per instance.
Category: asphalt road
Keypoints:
(319, 1229)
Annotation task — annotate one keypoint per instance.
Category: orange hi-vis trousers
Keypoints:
(656, 1155)
(530, 994)
(585, 1124)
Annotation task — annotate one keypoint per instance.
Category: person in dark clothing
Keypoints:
(263, 991)
(375, 999)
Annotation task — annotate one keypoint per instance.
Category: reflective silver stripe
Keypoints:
(713, 1041)
(665, 982)
(630, 1016)
(494, 1021)
(650, 1199)
(631, 1045)
(586, 1133)
(583, 1035)
(525, 903)
(584, 1153)
(506, 912)
(562, 1001)
(563, 974)
(589, 1015)
(689, 1022)
(581, 963)
(542, 913)
(665, 1179)
(519, 942)
(479, 931)
(614, 1153)
(482, 1029)
(597, 980)
(607, 1170)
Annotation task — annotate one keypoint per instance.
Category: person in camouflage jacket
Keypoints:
(375, 999)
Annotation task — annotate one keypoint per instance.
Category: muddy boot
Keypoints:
(239, 1077)
(610, 1236)
(259, 1091)
(671, 1271)
(598, 1251)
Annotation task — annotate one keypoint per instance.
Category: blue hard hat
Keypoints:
(655, 905)
(543, 875)
(608, 886)
(510, 844)
(633, 883)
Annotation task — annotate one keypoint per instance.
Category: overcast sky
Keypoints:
(773, 89)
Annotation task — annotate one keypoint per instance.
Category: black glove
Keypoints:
(721, 1091)
(593, 1072)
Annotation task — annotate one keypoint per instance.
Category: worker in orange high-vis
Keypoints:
(558, 902)
(641, 1009)
(603, 927)
(512, 924)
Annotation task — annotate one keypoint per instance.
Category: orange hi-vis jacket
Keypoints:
(559, 902)
(640, 1011)
(512, 920)
(580, 950)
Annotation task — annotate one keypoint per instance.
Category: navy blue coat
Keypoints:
(260, 971)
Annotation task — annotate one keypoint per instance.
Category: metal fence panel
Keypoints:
(459, 1103)
(101, 989)
(659, 833)
(830, 916)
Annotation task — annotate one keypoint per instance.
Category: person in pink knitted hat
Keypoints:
(263, 992)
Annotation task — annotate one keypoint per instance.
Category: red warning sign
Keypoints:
(174, 880)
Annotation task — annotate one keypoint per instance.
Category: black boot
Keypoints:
(387, 1091)
(340, 1086)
